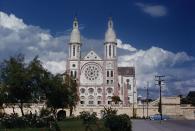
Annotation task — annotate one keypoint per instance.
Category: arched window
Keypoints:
(70, 51)
(109, 90)
(90, 90)
(99, 90)
(71, 73)
(99, 97)
(113, 48)
(75, 74)
(82, 90)
(109, 50)
(111, 74)
(73, 51)
(106, 50)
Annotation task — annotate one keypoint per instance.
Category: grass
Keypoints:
(67, 125)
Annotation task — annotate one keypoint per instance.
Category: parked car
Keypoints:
(158, 117)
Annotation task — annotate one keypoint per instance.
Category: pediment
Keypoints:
(92, 56)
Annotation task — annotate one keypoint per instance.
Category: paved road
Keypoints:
(169, 125)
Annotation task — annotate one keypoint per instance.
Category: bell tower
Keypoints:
(110, 62)
(73, 64)
(75, 42)
(110, 43)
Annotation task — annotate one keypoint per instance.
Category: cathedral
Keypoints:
(100, 78)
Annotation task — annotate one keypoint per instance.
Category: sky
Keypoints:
(155, 36)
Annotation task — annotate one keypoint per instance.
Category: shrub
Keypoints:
(30, 120)
(108, 111)
(118, 122)
(13, 121)
(45, 112)
(88, 118)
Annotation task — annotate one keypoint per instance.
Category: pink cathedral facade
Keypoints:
(100, 78)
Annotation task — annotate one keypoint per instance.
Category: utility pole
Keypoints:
(133, 104)
(159, 79)
(143, 110)
(147, 97)
(133, 111)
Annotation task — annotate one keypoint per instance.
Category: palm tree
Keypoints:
(116, 99)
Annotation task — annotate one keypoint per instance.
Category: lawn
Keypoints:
(67, 125)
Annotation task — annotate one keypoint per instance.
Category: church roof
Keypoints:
(126, 71)
(92, 56)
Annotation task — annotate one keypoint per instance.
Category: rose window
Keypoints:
(91, 72)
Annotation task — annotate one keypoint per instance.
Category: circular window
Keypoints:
(99, 90)
(73, 65)
(82, 90)
(91, 72)
(109, 90)
(91, 90)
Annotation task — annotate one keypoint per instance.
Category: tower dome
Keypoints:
(110, 35)
(75, 36)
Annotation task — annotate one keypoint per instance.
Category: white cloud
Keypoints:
(155, 61)
(17, 37)
(55, 66)
(11, 21)
(125, 46)
(153, 10)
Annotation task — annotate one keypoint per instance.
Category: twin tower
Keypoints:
(110, 50)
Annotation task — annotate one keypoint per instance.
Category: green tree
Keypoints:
(71, 86)
(57, 94)
(15, 76)
(28, 82)
(40, 79)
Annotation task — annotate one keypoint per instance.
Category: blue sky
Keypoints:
(173, 31)
(155, 36)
